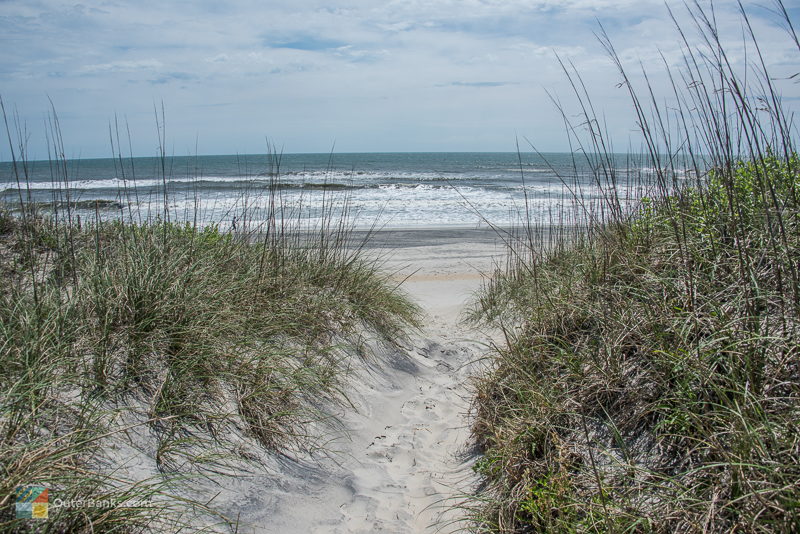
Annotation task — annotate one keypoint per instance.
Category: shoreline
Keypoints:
(410, 237)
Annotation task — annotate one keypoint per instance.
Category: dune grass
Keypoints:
(209, 347)
(651, 377)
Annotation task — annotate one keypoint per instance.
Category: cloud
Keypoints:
(172, 77)
(122, 66)
(480, 84)
(374, 75)
(304, 42)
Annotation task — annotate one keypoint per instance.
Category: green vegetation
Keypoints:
(212, 345)
(651, 377)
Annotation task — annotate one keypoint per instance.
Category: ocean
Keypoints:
(392, 190)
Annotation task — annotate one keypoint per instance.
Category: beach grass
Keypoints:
(198, 348)
(650, 379)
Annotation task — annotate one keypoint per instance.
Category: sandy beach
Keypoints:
(403, 458)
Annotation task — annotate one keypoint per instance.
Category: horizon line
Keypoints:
(330, 154)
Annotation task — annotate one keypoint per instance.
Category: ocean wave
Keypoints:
(208, 183)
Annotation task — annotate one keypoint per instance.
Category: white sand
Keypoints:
(410, 444)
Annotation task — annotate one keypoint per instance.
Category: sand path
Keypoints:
(404, 460)
(410, 442)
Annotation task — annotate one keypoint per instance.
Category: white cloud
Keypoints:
(122, 66)
(380, 76)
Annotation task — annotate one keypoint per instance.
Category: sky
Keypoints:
(321, 76)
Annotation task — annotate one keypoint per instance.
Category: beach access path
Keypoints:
(406, 457)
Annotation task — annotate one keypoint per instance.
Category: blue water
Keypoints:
(391, 190)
